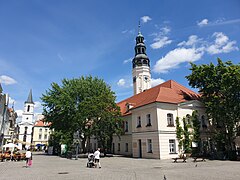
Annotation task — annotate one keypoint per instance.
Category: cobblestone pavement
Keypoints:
(118, 168)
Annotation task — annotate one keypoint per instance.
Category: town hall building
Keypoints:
(150, 114)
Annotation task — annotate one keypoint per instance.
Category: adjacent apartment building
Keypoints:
(41, 134)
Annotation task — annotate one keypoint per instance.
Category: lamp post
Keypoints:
(77, 142)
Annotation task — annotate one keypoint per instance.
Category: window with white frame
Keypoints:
(149, 145)
(172, 146)
(148, 117)
(126, 147)
(39, 136)
(45, 136)
(170, 120)
(126, 126)
(139, 124)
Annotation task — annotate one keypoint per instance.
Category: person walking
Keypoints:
(28, 158)
(97, 157)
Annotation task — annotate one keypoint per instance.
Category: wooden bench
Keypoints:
(201, 158)
(183, 159)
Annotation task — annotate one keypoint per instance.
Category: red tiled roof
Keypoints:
(167, 92)
(40, 123)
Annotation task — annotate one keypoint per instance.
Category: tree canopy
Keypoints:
(84, 104)
(219, 86)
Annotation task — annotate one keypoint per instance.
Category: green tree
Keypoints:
(196, 127)
(179, 134)
(84, 104)
(186, 134)
(220, 92)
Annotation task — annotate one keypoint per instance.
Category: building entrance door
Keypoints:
(113, 148)
(139, 148)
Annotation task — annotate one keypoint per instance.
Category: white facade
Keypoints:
(26, 125)
(142, 79)
(151, 135)
(41, 134)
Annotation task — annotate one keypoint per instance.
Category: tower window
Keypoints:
(134, 79)
(28, 108)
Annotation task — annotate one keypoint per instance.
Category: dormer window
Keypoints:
(129, 106)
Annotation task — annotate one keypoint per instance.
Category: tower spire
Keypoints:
(139, 27)
(30, 99)
(141, 65)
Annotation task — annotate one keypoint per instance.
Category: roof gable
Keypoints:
(42, 123)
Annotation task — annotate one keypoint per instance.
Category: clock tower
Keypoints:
(141, 66)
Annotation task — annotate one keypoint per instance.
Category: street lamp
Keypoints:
(77, 142)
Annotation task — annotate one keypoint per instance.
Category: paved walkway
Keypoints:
(118, 168)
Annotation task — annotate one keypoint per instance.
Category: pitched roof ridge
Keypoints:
(180, 86)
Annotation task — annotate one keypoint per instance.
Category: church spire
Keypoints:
(30, 99)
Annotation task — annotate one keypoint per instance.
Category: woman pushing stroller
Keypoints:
(94, 159)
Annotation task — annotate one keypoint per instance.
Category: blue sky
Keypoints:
(44, 41)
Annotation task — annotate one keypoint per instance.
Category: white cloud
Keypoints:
(217, 22)
(155, 82)
(176, 57)
(193, 49)
(131, 31)
(121, 82)
(37, 104)
(146, 19)
(11, 101)
(7, 80)
(165, 30)
(19, 114)
(127, 60)
(204, 22)
(161, 38)
(60, 57)
(160, 42)
(221, 44)
(192, 41)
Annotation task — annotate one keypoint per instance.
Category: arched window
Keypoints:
(170, 120)
(28, 108)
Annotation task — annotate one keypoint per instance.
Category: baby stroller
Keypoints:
(90, 162)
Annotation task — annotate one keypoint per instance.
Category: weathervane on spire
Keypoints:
(139, 26)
